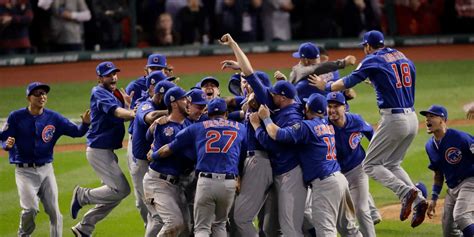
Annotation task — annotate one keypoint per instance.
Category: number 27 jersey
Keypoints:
(220, 144)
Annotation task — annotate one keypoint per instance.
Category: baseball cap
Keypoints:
(154, 78)
(264, 78)
(209, 79)
(216, 105)
(156, 60)
(36, 85)
(284, 88)
(307, 50)
(437, 110)
(234, 84)
(317, 103)
(174, 94)
(105, 68)
(197, 86)
(422, 187)
(373, 37)
(163, 86)
(196, 96)
(336, 97)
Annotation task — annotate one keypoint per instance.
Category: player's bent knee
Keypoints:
(463, 220)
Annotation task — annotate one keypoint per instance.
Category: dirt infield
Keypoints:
(392, 212)
(14, 76)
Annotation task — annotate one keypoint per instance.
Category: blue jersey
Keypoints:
(317, 151)
(106, 130)
(140, 144)
(174, 164)
(283, 158)
(350, 152)
(453, 156)
(138, 86)
(35, 136)
(305, 90)
(220, 144)
(392, 74)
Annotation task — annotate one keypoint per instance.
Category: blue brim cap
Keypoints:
(36, 85)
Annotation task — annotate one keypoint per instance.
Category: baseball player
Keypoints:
(29, 136)
(160, 183)
(210, 86)
(331, 204)
(109, 109)
(393, 77)
(257, 187)
(147, 112)
(349, 130)
(451, 155)
(220, 144)
(285, 165)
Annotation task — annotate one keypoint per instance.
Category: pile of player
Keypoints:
(288, 154)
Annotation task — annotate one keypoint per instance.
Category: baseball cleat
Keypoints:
(407, 201)
(377, 221)
(419, 213)
(78, 233)
(75, 206)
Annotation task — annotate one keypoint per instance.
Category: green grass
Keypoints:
(71, 168)
(447, 83)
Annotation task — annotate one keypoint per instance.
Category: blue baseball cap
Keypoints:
(154, 78)
(156, 60)
(234, 84)
(105, 68)
(163, 86)
(174, 94)
(307, 50)
(209, 79)
(264, 78)
(36, 85)
(284, 88)
(373, 37)
(336, 97)
(196, 96)
(317, 103)
(437, 110)
(216, 105)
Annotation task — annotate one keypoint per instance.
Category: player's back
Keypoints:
(219, 145)
(393, 76)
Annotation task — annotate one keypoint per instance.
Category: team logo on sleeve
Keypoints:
(146, 107)
(355, 139)
(453, 155)
(169, 131)
(48, 133)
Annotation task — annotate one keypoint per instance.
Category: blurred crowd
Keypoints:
(36, 26)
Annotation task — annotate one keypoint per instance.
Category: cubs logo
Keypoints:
(172, 99)
(155, 60)
(146, 107)
(354, 140)
(48, 133)
(169, 131)
(153, 81)
(296, 126)
(453, 155)
(162, 90)
(109, 65)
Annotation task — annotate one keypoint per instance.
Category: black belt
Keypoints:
(169, 178)
(401, 110)
(209, 175)
(30, 165)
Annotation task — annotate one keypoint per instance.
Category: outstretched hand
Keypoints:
(350, 60)
(127, 98)
(279, 76)
(86, 117)
(226, 39)
(431, 209)
(9, 143)
(230, 64)
(316, 81)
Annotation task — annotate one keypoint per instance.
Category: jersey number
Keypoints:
(330, 142)
(405, 73)
(215, 136)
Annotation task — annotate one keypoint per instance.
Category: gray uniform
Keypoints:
(256, 183)
(33, 183)
(387, 150)
(458, 208)
(106, 197)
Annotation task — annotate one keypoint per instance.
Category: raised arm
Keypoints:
(242, 59)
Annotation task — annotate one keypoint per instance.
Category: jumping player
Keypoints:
(29, 136)
(451, 155)
(393, 76)
(109, 109)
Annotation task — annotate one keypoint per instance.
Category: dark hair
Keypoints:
(377, 46)
(322, 51)
(219, 113)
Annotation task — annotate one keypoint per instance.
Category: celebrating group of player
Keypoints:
(288, 154)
